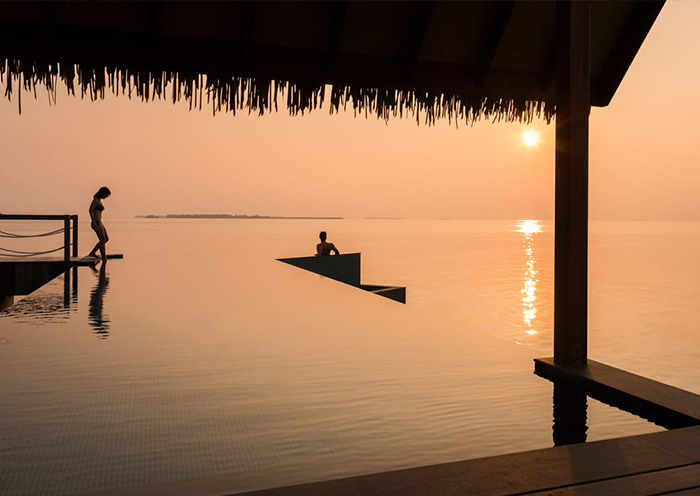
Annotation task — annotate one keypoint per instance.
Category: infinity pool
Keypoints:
(199, 354)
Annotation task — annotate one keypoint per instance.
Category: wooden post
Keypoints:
(75, 235)
(66, 238)
(571, 196)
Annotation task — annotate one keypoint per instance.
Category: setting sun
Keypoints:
(531, 138)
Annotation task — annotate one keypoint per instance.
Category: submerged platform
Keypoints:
(345, 268)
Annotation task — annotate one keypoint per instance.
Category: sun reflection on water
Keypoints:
(529, 292)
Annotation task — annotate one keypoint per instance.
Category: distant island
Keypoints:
(228, 216)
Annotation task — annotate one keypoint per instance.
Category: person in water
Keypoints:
(324, 248)
(96, 209)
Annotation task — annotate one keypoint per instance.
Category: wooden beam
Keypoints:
(549, 74)
(571, 182)
(48, 12)
(629, 42)
(247, 26)
(424, 14)
(31, 217)
(335, 35)
(493, 42)
(150, 18)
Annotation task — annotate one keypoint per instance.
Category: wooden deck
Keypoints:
(79, 261)
(22, 276)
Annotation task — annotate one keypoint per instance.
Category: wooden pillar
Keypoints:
(66, 238)
(74, 218)
(571, 196)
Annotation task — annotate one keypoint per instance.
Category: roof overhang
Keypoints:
(478, 56)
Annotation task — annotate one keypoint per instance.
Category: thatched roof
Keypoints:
(429, 59)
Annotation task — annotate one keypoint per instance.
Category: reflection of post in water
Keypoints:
(66, 288)
(74, 293)
(570, 406)
(70, 287)
(96, 318)
(51, 304)
(529, 291)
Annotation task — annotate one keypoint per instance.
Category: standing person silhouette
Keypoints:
(96, 209)
(324, 248)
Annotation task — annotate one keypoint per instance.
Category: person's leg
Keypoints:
(93, 252)
(102, 235)
(102, 240)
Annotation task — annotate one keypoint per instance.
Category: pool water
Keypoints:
(200, 354)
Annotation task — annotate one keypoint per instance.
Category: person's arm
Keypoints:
(334, 249)
(318, 250)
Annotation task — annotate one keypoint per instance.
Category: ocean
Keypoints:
(200, 354)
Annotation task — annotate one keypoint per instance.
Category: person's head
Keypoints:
(322, 235)
(102, 193)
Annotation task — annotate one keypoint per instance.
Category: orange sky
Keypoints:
(159, 158)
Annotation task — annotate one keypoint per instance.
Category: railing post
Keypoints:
(75, 235)
(66, 238)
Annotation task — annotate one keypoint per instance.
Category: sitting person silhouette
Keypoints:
(324, 248)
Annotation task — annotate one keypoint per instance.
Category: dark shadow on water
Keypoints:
(96, 317)
(52, 304)
(57, 300)
(570, 415)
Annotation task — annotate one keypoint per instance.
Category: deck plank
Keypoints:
(648, 484)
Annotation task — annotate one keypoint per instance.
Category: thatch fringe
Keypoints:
(234, 94)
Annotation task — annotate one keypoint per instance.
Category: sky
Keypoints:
(160, 158)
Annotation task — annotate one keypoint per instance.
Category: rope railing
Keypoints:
(65, 230)
(15, 253)
(4, 234)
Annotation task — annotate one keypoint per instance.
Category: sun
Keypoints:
(531, 138)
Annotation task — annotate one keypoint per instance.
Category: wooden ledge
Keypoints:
(660, 403)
